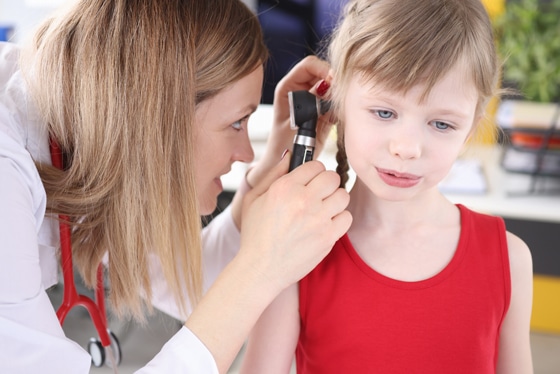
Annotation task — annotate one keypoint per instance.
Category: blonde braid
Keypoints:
(342, 167)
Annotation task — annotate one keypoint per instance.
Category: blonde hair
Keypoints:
(118, 82)
(404, 43)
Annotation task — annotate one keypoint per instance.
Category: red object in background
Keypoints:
(71, 297)
(534, 141)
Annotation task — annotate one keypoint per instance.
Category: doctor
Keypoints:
(149, 101)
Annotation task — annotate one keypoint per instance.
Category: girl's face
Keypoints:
(399, 146)
(222, 136)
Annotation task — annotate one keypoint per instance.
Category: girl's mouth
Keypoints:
(396, 179)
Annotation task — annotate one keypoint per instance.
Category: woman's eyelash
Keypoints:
(238, 125)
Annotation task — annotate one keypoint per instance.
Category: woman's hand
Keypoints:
(309, 74)
(291, 221)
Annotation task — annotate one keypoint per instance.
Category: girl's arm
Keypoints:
(273, 340)
(515, 350)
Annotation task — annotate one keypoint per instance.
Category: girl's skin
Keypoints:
(400, 148)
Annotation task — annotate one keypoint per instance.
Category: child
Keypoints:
(418, 284)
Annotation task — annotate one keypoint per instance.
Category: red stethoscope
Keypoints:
(97, 348)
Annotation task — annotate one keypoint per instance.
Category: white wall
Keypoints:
(24, 16)
(251, 4)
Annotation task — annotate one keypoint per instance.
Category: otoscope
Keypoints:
(305, 108)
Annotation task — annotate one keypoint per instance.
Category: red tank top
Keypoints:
(355, 320)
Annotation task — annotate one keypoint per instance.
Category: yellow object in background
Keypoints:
(546, 304)
(487, 130)
(487, 134)
(494, 7)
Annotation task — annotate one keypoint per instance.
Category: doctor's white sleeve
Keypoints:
(31, 338)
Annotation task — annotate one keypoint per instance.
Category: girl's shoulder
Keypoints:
(518, 252)
(520, 259)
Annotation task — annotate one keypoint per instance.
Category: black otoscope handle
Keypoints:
(301, 153)
(304, 144)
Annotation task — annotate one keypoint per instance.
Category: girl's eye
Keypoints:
(384, 114)
(441, 125)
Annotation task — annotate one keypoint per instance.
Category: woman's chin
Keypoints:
(208, 206)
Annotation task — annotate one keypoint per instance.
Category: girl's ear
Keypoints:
(330, 76)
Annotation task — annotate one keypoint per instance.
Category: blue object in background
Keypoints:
(6, 33)
(293, 29)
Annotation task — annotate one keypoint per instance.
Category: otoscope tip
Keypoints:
(324, 106)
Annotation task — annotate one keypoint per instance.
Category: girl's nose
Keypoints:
(406, 144)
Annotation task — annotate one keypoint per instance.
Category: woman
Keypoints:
(149, 102)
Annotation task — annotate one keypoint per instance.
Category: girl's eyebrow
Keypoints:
(381, 98)
(456, 112)
(464, 115)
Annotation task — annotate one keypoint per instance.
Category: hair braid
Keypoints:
(342, 167)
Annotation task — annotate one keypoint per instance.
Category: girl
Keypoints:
(418, 284)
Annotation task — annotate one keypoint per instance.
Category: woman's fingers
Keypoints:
(299, 176)
(330, 201)
(305, 74)
(324, 184)
(291, 221)
(276, 172)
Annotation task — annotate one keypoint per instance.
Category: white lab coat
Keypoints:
(31, 338)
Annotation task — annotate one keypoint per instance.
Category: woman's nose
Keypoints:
(244, 151)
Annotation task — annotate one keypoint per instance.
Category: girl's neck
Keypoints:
(409, 240)
(368, 210)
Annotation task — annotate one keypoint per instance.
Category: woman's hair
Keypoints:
(117, 82)
(403, 43)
